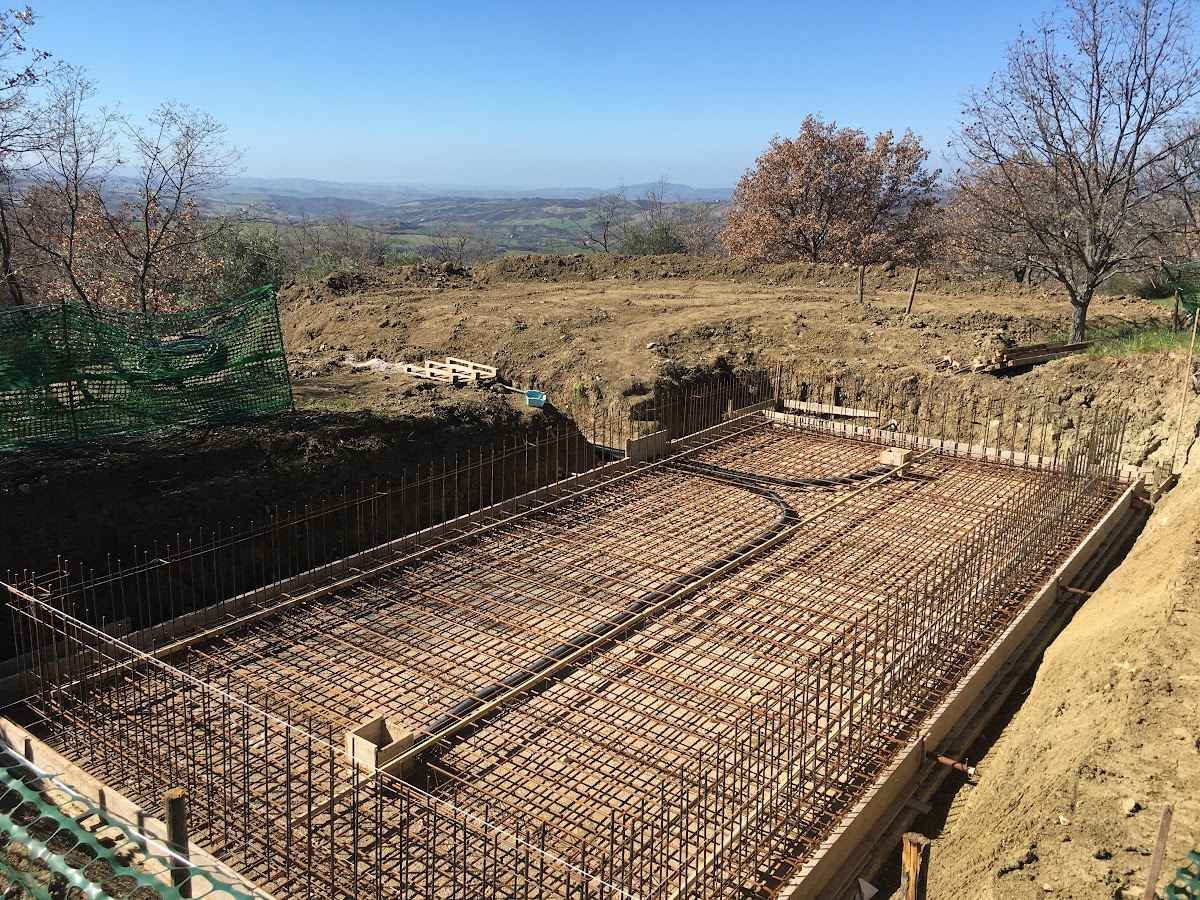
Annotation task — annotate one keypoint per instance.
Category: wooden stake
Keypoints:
(862, 274)
(914, 866)
(1187, 376)
(175, 800)
(913, 293)
(1160, 847)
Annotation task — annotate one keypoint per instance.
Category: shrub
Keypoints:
(653, 240)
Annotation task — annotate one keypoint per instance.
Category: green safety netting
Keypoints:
(1186, 884)
(50, 846)
(71, 372)
(1184, 280)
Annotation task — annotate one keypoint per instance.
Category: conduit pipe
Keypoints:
(465, 714)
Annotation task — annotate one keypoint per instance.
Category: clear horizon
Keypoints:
(487, 96)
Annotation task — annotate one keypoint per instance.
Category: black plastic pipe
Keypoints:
(607, 628)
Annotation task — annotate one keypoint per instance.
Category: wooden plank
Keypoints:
(912, 294)
(1049, 345)
(452, 371)
(915, 865)
(827, 409)
(434, 371)
(1017, 357)
(1017, 353)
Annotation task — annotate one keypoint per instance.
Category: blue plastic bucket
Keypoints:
(535, 398)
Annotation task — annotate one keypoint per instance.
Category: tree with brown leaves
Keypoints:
(834, 195)
(1067, 144)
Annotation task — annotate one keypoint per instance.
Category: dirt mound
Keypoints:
(87, 502)
(597, 266)
(593, 266)
(592, 327)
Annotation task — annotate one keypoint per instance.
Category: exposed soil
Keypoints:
(1110, 723)
(601, 326)
(86, 503)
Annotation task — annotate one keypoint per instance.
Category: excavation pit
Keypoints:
(672, 677)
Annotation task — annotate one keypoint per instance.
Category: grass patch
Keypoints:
(1148, 287)
(1144, 340)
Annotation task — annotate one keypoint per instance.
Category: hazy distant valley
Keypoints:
(550, 220)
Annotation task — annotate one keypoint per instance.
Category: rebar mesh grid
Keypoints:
(701, 747)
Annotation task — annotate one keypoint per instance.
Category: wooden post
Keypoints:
(862, 274)
(1160, 847)
(914, 866)
(913, 293)
(1187, 376)
(1175, 315)
(177, 837)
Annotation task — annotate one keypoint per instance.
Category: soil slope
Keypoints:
(601, 326)
(1069, 797)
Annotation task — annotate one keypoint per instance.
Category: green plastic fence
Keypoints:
(37, 836)
(1184, 280)
(72, 373)
(1186, 884)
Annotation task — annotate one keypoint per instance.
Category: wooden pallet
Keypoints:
(452, 371)
(1029, 355)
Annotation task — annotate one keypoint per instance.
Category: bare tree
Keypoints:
(699, 225)
(654, 202)
(95, 235)
(59, 214)
(833, 195)
(460, 244)
(1066, 143)
(360, 243)
(610, 215)
(302, 238)
(1181, 205)
(343, 238)
(984, 241)
(178, 154)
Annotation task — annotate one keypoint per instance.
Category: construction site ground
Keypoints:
(1071, 785)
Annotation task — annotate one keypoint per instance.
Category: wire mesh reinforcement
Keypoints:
(701, 751)
(70, 372)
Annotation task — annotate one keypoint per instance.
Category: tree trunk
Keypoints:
(1078, 321)
(7, 274)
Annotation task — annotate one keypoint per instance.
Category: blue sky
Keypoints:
(526, 94)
